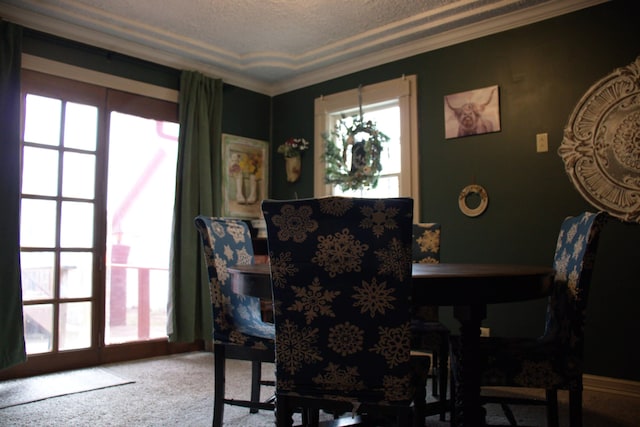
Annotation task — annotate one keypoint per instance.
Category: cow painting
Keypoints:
(472, 113)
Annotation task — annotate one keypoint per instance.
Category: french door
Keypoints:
(98, 180)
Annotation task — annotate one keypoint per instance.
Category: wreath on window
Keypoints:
(354, 163)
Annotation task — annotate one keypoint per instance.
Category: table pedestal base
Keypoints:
(468, 411)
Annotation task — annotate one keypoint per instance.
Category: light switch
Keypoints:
(542, 143)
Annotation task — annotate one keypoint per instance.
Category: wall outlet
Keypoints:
(485, 332)
(542, 143)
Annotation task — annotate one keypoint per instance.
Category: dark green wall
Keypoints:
(81, 55)
(542, 70)
(246, 113)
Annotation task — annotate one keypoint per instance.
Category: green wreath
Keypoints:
(361, 169)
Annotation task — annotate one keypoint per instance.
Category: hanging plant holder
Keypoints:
(292, 150)
(352, 154)
(293, 166)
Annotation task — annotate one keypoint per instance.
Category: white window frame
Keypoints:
(402, 89)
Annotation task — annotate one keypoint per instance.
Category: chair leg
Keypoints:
(284, 412)
(419, 374)
(509, 414)
(420, 403)
(452, 398)
(443, 372)
(219, 356)
(435, 367)
(552, 408)
(404, 418)
(310, 417)
(575, 408)
(256, 375)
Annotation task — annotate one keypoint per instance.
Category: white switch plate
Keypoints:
(542, 143)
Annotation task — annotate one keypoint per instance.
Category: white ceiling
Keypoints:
(273, 46)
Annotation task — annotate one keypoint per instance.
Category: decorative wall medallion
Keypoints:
(482, 206)
(601, 145)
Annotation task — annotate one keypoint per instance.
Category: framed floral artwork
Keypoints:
(245, 166)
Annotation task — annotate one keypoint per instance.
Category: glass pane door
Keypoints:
(140, 198)
(57, 223)
(98, 182)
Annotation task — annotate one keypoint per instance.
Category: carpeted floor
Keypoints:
(178, 391)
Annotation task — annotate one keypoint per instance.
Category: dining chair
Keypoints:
(555, 360)
(341, 280)
(238, 330)
(428, 333)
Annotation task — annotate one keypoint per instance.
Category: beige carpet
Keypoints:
(178, 391)
(28, 390)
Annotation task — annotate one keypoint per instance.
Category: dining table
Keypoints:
(468, 288)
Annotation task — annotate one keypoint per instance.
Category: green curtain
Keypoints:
(12, 350)
(198, 191)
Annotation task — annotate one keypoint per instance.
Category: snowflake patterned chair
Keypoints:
(555, 360)
(341, 280)
(238, 329)
(428, 333)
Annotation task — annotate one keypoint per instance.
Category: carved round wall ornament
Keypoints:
(601, 144)
(463, 203)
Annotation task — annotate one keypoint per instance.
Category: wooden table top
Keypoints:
(464, 284)
(438, 284)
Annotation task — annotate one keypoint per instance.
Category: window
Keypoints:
(392, 106)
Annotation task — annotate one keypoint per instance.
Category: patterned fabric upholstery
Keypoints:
(238, 329)
(425, 249)
(428, 333)
(555, 360)
(426, 243)
(236, 318)
(341, 277)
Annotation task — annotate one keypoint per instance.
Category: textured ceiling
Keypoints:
(272, 46)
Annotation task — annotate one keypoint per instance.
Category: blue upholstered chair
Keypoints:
(238, 329)
(429, 334)
(341, 279)
(425, 245)
(554, 361)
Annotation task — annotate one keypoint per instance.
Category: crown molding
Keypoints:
(123, 46)
(438, 41)
(233, 69)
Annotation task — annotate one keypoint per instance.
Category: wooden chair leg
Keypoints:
(509, 414)
(443, 372)
(256, 374)
(313, 417)
(435, 368)
(219, 356)
(575, 408)
(420, 373)
(404, 418)
(552, 408)
(452, 399)
(284, 412)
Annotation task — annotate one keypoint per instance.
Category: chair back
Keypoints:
(425, 249)
(574, 260)
(341, 277)
(236, 318)
(426, 243)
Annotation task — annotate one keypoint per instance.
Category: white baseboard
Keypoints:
(611, 385)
